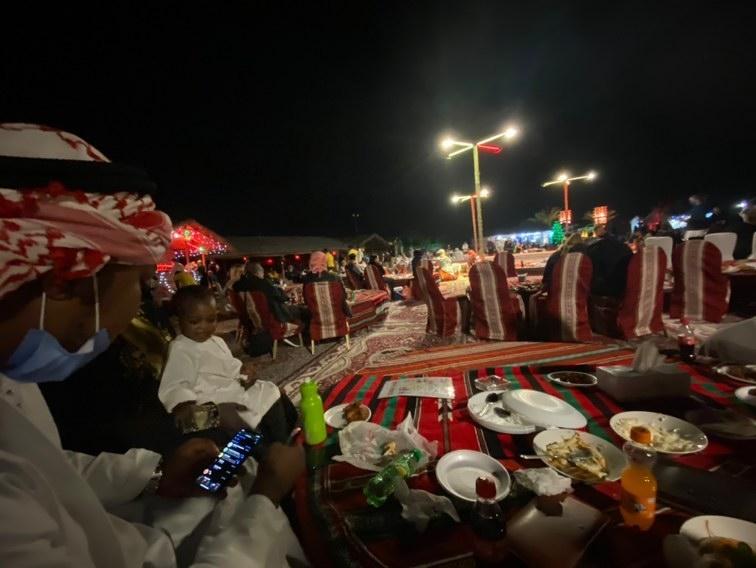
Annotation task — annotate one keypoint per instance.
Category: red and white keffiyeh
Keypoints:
(70, 233)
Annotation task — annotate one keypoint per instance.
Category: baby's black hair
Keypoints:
(189, 296)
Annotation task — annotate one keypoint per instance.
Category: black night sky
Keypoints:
(287, 119)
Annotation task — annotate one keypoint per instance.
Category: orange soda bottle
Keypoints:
(638, 497)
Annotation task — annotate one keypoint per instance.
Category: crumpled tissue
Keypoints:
(419, 507)
(543, 481)
(362, 443)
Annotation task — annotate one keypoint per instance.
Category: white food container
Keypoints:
(625, 385)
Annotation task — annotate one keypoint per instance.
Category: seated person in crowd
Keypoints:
(610, 256)
(573, 243)
(254, 281)
(745, 230)
(319, 273)
(201, 369)
(330, 260)
(354, 271)
(57, 508)
(375, 261)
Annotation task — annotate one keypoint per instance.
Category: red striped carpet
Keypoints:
(515, 354)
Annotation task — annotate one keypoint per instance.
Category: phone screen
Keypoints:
(228, 462)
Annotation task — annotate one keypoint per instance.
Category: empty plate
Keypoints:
(512, 424)
(543, 409)
(458, 471)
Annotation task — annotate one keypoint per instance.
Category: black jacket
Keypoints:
(610, 258)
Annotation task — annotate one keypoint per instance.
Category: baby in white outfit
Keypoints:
(201, 367)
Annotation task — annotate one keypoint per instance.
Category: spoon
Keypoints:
(501, 413)
(491, 399)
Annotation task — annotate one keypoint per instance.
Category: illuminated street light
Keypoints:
(565, 180)
(492, 145)
(474, 207)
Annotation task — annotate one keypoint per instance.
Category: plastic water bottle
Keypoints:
(313, 418)
(638, 498)
(487, 520)
(384, 482)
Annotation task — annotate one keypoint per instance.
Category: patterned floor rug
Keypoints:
(401, 332)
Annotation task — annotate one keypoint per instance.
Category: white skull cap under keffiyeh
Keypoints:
(68, 230)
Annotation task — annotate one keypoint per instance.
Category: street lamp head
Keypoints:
(454, 199)
(511, 133)
(563, 176)
(447, 144)
(485, 192)
(591, 176)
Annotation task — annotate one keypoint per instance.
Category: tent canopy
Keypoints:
(190, 238)
(280, 246)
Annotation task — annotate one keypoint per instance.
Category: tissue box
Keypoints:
(625, 385)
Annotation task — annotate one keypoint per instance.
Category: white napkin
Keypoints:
(419, 507)
(647, 357)
(543, 481)
(362, 443)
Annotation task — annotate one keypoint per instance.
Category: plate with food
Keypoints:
(543, 409)
(741, 373)
(342, 414)
(458, 471)
(575, 379)
(488, 410)
(746, 395)
(580, 455)
(669, 435)
(711, 540)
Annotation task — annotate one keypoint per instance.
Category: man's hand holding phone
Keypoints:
(181, 468)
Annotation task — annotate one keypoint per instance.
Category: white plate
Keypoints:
(725, 370)
(742, 395)
(543, 409)
(653, 419)
(457, 472)
(695, 529)
(334, 416)
(554, 378)
(616, 462)
(514, 424)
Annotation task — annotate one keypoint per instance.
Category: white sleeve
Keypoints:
(116, 478)
(30, 533)
(179, 378)
(258, 535)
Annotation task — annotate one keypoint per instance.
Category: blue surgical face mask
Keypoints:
(40, 358)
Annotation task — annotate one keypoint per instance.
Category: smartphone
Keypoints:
(228, 462)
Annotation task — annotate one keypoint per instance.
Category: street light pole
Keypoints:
(475, 199)
(565, 180)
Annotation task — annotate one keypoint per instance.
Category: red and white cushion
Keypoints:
(444, 314)
(567, 303)
(325, 301)
(277, 329)
(701, 291)
(374, 278)
(507, 261)
(641, 310)
(494, 312)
